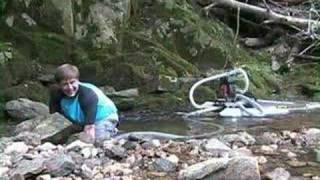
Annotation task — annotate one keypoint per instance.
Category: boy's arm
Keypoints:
(89, 102)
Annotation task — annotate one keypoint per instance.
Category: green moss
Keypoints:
(161, 101)
(30, 90)
(50, 47)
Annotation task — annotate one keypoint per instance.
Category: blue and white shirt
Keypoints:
(88, 106)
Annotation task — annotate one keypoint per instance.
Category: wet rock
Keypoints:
(163, 165)
(29, 138)
(29, 167)
(278, 174)
(59, 165)
(240, 168)
(17, 147)
(202, 169)
(23, 109)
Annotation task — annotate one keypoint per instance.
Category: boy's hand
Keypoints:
(90, 130)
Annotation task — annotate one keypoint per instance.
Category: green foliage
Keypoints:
(2, 6)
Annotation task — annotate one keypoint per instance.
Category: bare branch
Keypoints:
(271, 15)
(307, 57)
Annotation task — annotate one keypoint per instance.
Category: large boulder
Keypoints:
(105, 15)
(202, 169)
(23, 109)
(52, 127)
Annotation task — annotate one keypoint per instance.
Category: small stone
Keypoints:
(89, 152)
(46, 146)
(295, 163)
(291, 155)
(262, 160)
(173, 158)
(44, 177)
(163, 165)
(307, 174)
(86, 171)
(77, 144)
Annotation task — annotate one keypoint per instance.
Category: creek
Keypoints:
(173, 123)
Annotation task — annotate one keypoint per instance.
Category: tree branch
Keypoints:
(264, 12)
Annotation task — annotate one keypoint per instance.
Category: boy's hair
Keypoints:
(66, 71)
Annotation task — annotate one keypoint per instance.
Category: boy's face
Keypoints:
(69, 87)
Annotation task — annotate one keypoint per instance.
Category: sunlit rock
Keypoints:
(51, 127)
(17, 147)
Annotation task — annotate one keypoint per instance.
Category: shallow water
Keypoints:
(172, 123)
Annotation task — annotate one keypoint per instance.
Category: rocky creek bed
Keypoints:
(30, 153)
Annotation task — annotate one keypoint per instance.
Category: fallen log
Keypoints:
(267, 13)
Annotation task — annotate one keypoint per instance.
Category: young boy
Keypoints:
(83, 104)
